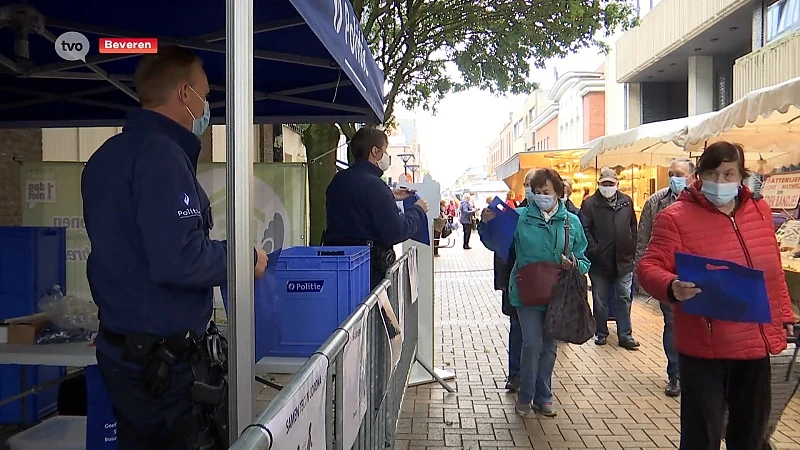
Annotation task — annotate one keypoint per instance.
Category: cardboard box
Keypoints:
(24, 330)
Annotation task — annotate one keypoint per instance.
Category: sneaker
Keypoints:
(673, 388)
(546, 409)
(523, 409)
(600, 340)
(629, 344)
(512, 384)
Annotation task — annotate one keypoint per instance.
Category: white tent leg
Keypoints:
(239, 136)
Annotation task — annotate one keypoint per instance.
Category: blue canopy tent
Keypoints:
(311, 63)
(277, 61)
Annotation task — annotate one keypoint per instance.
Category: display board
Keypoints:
(51, 195)
(782, 191)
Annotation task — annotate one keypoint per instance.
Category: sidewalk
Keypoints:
(607, 397)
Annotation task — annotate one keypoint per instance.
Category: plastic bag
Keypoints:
(53, 335)
(70, 312)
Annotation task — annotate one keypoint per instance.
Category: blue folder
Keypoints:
(423, 233)
(730, 291)
(498, 234)
(265, 307)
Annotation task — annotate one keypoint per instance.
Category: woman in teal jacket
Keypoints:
(540, 237)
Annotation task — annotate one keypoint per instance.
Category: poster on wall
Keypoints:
(300, 424)
(782, 191)
(51, 194)
(355, 381)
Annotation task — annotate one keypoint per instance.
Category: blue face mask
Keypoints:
(544, 202)
(200, 124)
(676, 184)
(529, 194)
(720, 193)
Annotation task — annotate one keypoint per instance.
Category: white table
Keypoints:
(74, 354)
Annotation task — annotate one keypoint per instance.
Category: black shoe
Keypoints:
(512, 384)
(600, 340)
(673, 388)
(629, 344)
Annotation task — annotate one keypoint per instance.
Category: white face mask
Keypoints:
(384, 162)
(607, 191)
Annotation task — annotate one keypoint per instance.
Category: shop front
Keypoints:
(566, 162)
(638, 181)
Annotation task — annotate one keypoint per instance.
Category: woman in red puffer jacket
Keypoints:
(723, 365)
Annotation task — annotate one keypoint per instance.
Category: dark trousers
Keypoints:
(467, 233)
(437, 235)
(514, 347)
(709, 387)
(669, 340)
(145, 422)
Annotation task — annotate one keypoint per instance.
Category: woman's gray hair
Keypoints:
(529, 175)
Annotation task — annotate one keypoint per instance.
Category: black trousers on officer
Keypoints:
(709, 387)
(143, 421)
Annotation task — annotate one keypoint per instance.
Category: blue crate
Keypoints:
(32, 260)
(317, 289)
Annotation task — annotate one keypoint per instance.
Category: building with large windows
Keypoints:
(689, 57)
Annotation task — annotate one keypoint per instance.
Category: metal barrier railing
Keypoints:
(386, 382)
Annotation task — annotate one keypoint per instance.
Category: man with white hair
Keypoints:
(681, 174)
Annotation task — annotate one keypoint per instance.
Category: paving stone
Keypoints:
(607, 397)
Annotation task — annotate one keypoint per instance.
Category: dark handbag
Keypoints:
(536, 281)
(569, 318)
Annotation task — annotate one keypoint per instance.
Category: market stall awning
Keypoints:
(764, 122)
(311, 61)
(652, 144)
(514, 169)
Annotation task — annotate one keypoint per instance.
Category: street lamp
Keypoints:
(413, 168)
(405, 157)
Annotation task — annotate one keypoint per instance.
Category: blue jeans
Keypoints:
(514, 347)
(669, 340)
(622, 304)
(538, 358)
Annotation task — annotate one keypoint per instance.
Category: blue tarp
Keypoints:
(311, 61)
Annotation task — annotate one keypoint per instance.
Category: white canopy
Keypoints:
(653, 144)
(764, 122)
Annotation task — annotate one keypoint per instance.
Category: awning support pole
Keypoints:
(239, 139)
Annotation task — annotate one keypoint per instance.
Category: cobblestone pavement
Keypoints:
(607, 397)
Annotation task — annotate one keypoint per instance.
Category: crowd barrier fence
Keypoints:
(385, 380)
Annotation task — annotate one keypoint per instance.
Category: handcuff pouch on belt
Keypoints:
(381, 258)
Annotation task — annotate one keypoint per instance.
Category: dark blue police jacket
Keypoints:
(361, 207)
(152, 266)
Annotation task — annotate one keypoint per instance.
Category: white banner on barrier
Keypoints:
(394, 330)
(412, 275)
(300, 424)
(355, 382)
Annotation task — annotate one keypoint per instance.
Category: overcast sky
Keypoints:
(458, 137)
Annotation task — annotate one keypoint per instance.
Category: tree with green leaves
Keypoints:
(492, 44)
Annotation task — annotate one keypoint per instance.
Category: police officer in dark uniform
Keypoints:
(362, 210)
(153, 267)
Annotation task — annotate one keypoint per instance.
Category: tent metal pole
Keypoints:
(239, 139)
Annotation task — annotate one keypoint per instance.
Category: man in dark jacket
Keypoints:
(467, 217)
(362, 210)
(681, 174)
(567, 202)
(609, 222)
(502, 274)
(153, 267)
